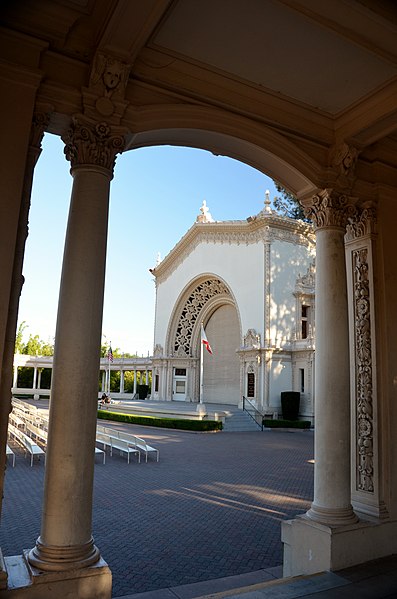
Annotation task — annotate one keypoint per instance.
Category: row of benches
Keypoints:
(28, 444)
(29, 429)
(110, 437)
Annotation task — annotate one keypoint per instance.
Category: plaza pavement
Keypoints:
(209, 510)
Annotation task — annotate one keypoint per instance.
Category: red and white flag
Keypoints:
(204, 340)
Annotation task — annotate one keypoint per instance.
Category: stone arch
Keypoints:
(195, 305)
(231, 135)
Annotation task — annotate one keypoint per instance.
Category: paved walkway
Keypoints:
(211, 508)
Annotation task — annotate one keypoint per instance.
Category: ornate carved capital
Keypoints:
(329, 209)
(94, 144)
(361, 223)
(39, 125)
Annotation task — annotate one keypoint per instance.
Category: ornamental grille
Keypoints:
(191, 311)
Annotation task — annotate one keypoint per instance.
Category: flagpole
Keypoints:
(109, 369)
(201, 366)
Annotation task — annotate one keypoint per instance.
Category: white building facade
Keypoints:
(251, 284)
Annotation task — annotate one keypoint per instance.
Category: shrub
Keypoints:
(286, 423)
(176, 423)
(290, 401)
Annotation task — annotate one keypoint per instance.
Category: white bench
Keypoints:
(124, 446)
(37, 432)
(100, 452)
(113, 442)
(27, 443)
(133, 440)
(143, 446)
(10, 452)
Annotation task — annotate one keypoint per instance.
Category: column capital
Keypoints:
(329, 208)
(90, 143)
(362, 222)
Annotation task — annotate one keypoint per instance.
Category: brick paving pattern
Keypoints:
(211, 507)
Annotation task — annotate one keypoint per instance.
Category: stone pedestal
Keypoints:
(26, 582)
(311, 547)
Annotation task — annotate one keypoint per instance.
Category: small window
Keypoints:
(180, 371)
(250, 384)
(302, 379)
(304, 322)
(156, 382)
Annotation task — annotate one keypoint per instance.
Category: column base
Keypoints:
(55, 559)
(27, 582)
(311, 547)
(332, 517)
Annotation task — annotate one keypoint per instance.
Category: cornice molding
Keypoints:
(254, 230)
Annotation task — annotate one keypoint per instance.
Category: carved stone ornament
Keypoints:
(363, 371)
(191, 311)
(252, 340)
(108, 82)
(306, 283)
(330, 209)
(92, 144)
(343, 161)
(158, 351)
(361, 223)
(39, 125)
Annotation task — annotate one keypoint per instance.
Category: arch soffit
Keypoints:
(231, 135)
(206, 311)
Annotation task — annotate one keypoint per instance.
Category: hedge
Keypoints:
(286, 423)
(192, 425)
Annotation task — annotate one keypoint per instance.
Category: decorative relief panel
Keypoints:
(362, 223)
(191, 311)
(363, 371)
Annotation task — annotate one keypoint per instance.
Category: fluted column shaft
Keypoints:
(65, 540)
(332, 494)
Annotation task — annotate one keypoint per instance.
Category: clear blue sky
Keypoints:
(155, 197)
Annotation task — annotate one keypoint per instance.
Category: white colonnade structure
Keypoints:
(141, 369)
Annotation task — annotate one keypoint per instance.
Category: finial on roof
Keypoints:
(267, 201)
(205, 216)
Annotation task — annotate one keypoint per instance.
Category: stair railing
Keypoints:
(255, 414)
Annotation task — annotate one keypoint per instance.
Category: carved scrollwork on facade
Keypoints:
(252, 340)
(92, 144)
(361, 223)
(191, 311)
(363, 373)
(330, 209)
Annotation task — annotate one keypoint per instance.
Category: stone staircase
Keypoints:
(240, 421)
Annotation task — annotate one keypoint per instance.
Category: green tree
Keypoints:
(288, 205)
(34, 345)
(19, 344)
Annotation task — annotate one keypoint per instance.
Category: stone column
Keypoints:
(332, 495)
(65, 541)
(34, 377)
(121, 381)
(134, 381)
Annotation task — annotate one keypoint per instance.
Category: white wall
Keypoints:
(288, 260)
(239, 266)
